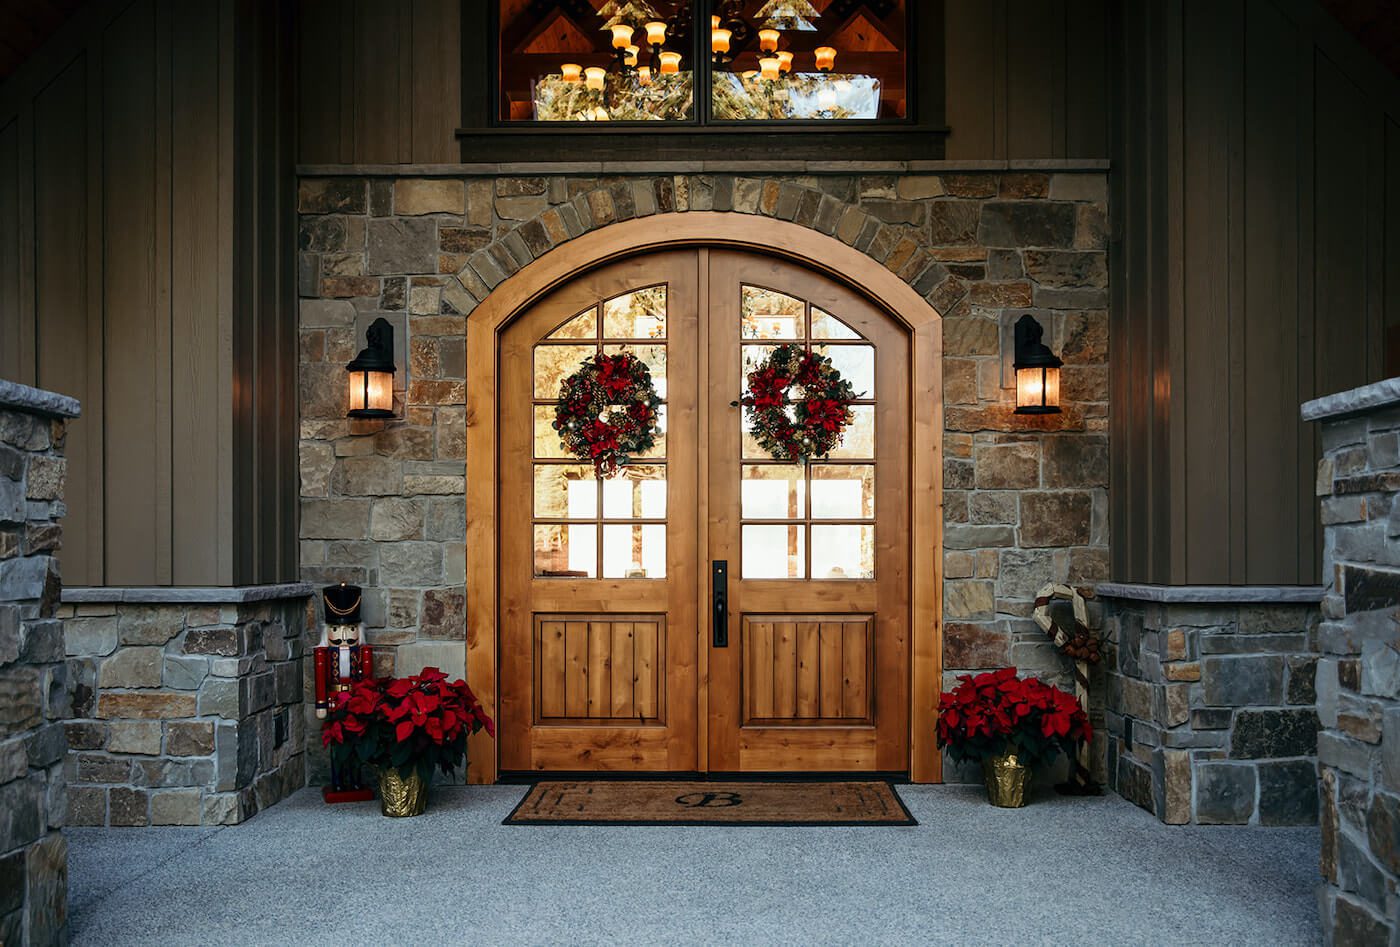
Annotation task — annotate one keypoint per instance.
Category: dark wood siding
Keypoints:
(118, 271)
(1254, 232)
(1027, 80)
(380, 82)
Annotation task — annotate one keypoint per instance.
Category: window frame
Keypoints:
(922, 127)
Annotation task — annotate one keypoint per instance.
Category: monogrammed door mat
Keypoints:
(643, 802)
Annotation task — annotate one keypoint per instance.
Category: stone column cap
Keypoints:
(37, 400)
(188, 595)
(1372, 397)
(1211, 594)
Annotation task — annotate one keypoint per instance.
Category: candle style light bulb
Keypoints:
(656, 33)
(571, 71)
(621, 35)
(670, 63)
(595, 75)
(826, 58)
(768, 40)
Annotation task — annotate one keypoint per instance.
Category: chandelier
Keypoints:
(647, 77)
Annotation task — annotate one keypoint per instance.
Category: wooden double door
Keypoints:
(710, 608)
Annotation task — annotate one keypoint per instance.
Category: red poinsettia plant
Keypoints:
(994, 713)
(420, 722)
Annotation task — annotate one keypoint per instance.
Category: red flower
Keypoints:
(996, 712)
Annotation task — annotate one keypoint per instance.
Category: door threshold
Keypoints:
(530, 777)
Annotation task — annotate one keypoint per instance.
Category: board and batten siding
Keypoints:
(380, 82)
(123, 282)
(1256, 260)
(1027, 79)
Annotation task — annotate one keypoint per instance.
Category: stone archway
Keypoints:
(510, 293)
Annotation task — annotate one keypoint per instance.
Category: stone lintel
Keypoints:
(1211, 594)
(37, 400)
(1381, 394)
(765, 168)
(189, 595)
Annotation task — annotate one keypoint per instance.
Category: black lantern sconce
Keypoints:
(372, 374)
(1037, 370)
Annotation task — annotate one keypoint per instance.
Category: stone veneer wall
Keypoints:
(1211, 704)
(34, 687)
(1358, 675)
(1026, 498)
(188, 710)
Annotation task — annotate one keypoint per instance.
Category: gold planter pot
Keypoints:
(399, 797)
(1006, 780)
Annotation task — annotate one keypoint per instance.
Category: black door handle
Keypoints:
(719, 602)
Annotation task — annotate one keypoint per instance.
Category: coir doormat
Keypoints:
(641, 802)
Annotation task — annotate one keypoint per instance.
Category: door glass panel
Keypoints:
(571, 491)
(565, 491)
(554, 363)
(570, 550)
(858, 440)
(582, 326)
(640, 314)
(654, 357)
(856, 363)
(842, 491)
(773, 492)
(639, 492)
(772, 552)
(768, 314)
(634, 552)
(546, 437)
(845, 551)
(827, 326)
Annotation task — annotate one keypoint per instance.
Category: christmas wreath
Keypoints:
(819, 396)
(607, 411)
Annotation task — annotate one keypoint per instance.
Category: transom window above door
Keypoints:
(743, 61)
(582, 522)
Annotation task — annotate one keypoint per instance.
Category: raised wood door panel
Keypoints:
(596, 671)
(597, 610)
(812, 672)
(817, 677)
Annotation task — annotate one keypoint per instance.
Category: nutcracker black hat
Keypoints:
(342, 604)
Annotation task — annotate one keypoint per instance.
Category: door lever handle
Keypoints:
(719, 603)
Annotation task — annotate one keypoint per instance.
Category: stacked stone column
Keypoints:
(1211, 716)
(188, 709)
(1358, 675)
(34, 688)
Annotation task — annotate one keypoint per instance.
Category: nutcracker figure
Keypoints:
(341, 660)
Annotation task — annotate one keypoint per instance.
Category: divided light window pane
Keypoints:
(593, 61)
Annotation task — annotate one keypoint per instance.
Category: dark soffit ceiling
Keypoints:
(1375, 24)
(25, 25)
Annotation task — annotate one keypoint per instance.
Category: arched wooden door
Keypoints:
(612, 653)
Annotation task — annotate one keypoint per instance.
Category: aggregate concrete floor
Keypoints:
(1061, 871)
